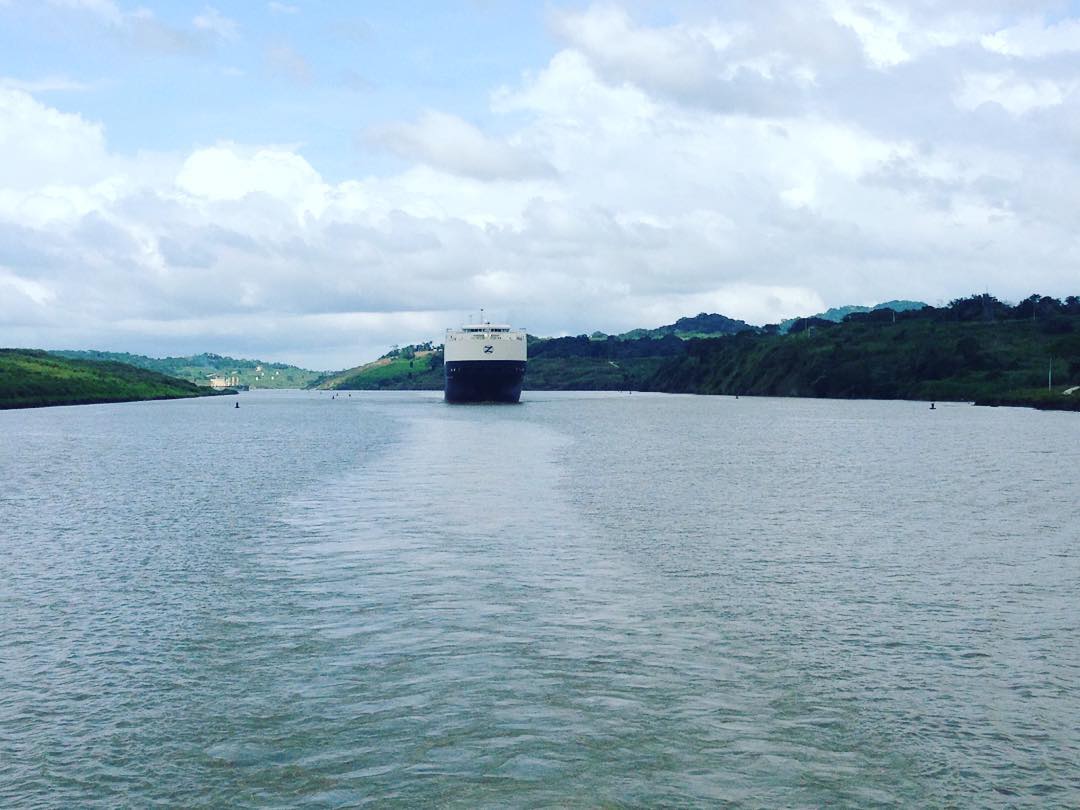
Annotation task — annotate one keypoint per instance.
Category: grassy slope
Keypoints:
(31, 379)
(200, 367)
(1003, 361)
(422, 373)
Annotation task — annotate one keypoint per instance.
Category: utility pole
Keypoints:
(1050, 376)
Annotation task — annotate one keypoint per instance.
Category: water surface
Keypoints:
(588, 599)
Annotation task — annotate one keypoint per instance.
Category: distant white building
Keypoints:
(221, 381)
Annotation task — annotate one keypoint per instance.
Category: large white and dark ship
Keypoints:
(484, 362)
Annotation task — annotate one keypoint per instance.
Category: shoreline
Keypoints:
(58, 403)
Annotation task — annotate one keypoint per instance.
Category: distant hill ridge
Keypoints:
(976, 348)
(704, 324)
(584, 362)
(199, 368)
(837, 314)
(712, 324)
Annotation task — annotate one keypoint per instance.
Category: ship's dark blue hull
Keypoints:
(484, 380)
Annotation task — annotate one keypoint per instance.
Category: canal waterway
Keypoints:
(583, 600)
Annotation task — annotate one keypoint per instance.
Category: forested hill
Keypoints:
(199, 368)
(977, 349)
(974, 349)
(702, 325)
(32, 379)
(837, 314)
(588, 364)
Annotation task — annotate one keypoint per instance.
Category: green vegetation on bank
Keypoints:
(33, 379)
(589, 374)
(590, 364)
(571, 363)
(976, 349)
(201, 368)
(416, 368)
(597, 362)
(1038, 398)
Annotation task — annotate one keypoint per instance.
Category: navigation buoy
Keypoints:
(933, 407)
(237, 404)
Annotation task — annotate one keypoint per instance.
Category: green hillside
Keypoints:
(32, 379)
(199, 368)
(974, 350)
(589, 373)
(591, 364)
(402, 369)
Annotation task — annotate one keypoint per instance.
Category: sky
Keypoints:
(312, 181)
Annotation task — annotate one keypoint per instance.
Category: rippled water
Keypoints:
(583, 600)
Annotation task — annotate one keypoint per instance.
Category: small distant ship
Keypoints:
(484, 362)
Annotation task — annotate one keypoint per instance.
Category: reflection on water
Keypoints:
(586, 599)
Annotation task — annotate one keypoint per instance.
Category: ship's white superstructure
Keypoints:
(484, 341)
(484, 362)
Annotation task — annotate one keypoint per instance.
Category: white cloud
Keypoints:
(142, 29)
(228, 172)
(1033, 38)
(106, 9)
(675, 57)
(32, 291)
(705, 64)
(447, 142)
(880, 28)
(763, 166)
(216, 23)
(283, 8)
(43, 146)
(755, 303)
(1013, 93)
(568, 94)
